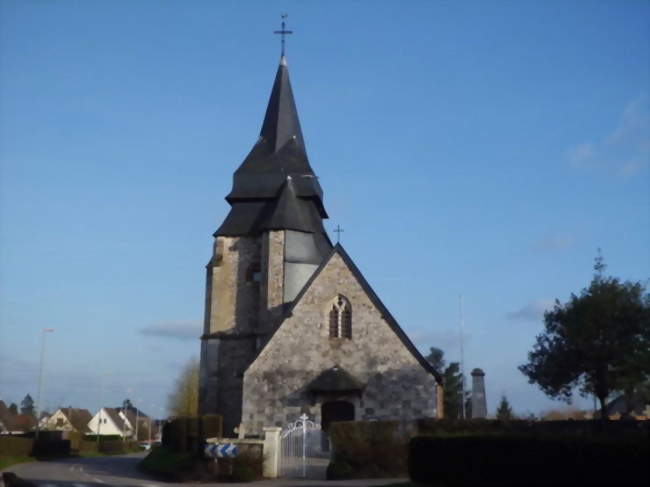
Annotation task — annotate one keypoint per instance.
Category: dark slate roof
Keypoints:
(335, 379)
(289, 212)
(278, 153)
(392, 322)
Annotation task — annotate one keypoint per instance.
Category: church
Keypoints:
(291, 325)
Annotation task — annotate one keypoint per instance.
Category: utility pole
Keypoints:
(40, 382)
(137, 418)
(101, 408)
(462, 354)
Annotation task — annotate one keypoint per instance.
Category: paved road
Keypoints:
(120, 471)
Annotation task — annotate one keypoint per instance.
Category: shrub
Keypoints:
(166, 463)
(339, 470)
(369, 449)
(47, 448)
(247, 466)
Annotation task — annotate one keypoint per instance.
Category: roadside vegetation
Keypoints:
(7, 461)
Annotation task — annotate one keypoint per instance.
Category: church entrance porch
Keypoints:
(332, 411)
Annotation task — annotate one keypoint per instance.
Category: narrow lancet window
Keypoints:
(340, 318)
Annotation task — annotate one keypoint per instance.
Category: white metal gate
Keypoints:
(304, 450)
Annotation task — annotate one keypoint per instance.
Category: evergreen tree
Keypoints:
(13, 408)
(452, 384)
(504, 411)
(27, 406)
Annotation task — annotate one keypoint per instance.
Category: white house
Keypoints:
(110, 421)
(68, 419)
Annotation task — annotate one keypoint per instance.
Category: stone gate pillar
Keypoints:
(271, 452)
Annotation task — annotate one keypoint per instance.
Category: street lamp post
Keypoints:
(40, 381)
(101, 408)
(137, 418)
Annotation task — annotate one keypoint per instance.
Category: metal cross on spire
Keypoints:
(338, 231)
(283, 31)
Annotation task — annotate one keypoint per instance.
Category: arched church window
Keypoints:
(340, 318)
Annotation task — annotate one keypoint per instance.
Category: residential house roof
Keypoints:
(78, 418)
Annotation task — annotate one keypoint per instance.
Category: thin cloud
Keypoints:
(533, 311)
(177, 330)
(581, 154)
(555, 242)
(625, 150)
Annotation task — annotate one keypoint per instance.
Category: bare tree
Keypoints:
(184, 399)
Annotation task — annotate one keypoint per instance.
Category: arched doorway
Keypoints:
(336, 411)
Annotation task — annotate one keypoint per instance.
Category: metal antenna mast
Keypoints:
(283, 31)
(462, 354)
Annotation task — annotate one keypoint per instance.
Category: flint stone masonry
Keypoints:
(396, 384)
(231, 321)
(232, 297)
(272, 279)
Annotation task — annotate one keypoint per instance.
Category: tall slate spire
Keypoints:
(279, 152)
(281, 123)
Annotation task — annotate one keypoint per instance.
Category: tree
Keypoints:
(13, 408)
(184, 399)
(27, 406)
(436, 359)
(452, 383)
(504, 411)
(598, 341)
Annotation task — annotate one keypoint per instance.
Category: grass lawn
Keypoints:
(7, 461)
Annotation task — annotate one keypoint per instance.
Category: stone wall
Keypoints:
(396, 384)
(229, 343)
(272, 280)
(232, 296)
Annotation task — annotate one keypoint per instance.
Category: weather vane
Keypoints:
(283, 31)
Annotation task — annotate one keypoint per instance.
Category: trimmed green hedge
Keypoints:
(528, 460)
(464, 427)
(188, 434)
(367, 450)
(12, 446)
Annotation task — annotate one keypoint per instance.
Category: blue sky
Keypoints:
(482, 148)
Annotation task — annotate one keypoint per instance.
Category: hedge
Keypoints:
(528, 460)
(188, 434)
(12, 446)
(455, 427)
(367, 450)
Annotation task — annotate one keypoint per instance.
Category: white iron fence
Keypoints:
(304, 450)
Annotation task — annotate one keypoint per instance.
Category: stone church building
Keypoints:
(291, 324)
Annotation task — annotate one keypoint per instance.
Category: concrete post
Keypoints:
(271, 452)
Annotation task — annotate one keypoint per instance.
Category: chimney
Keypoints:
(479, 403)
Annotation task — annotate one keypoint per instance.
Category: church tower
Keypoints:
(264, 252)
